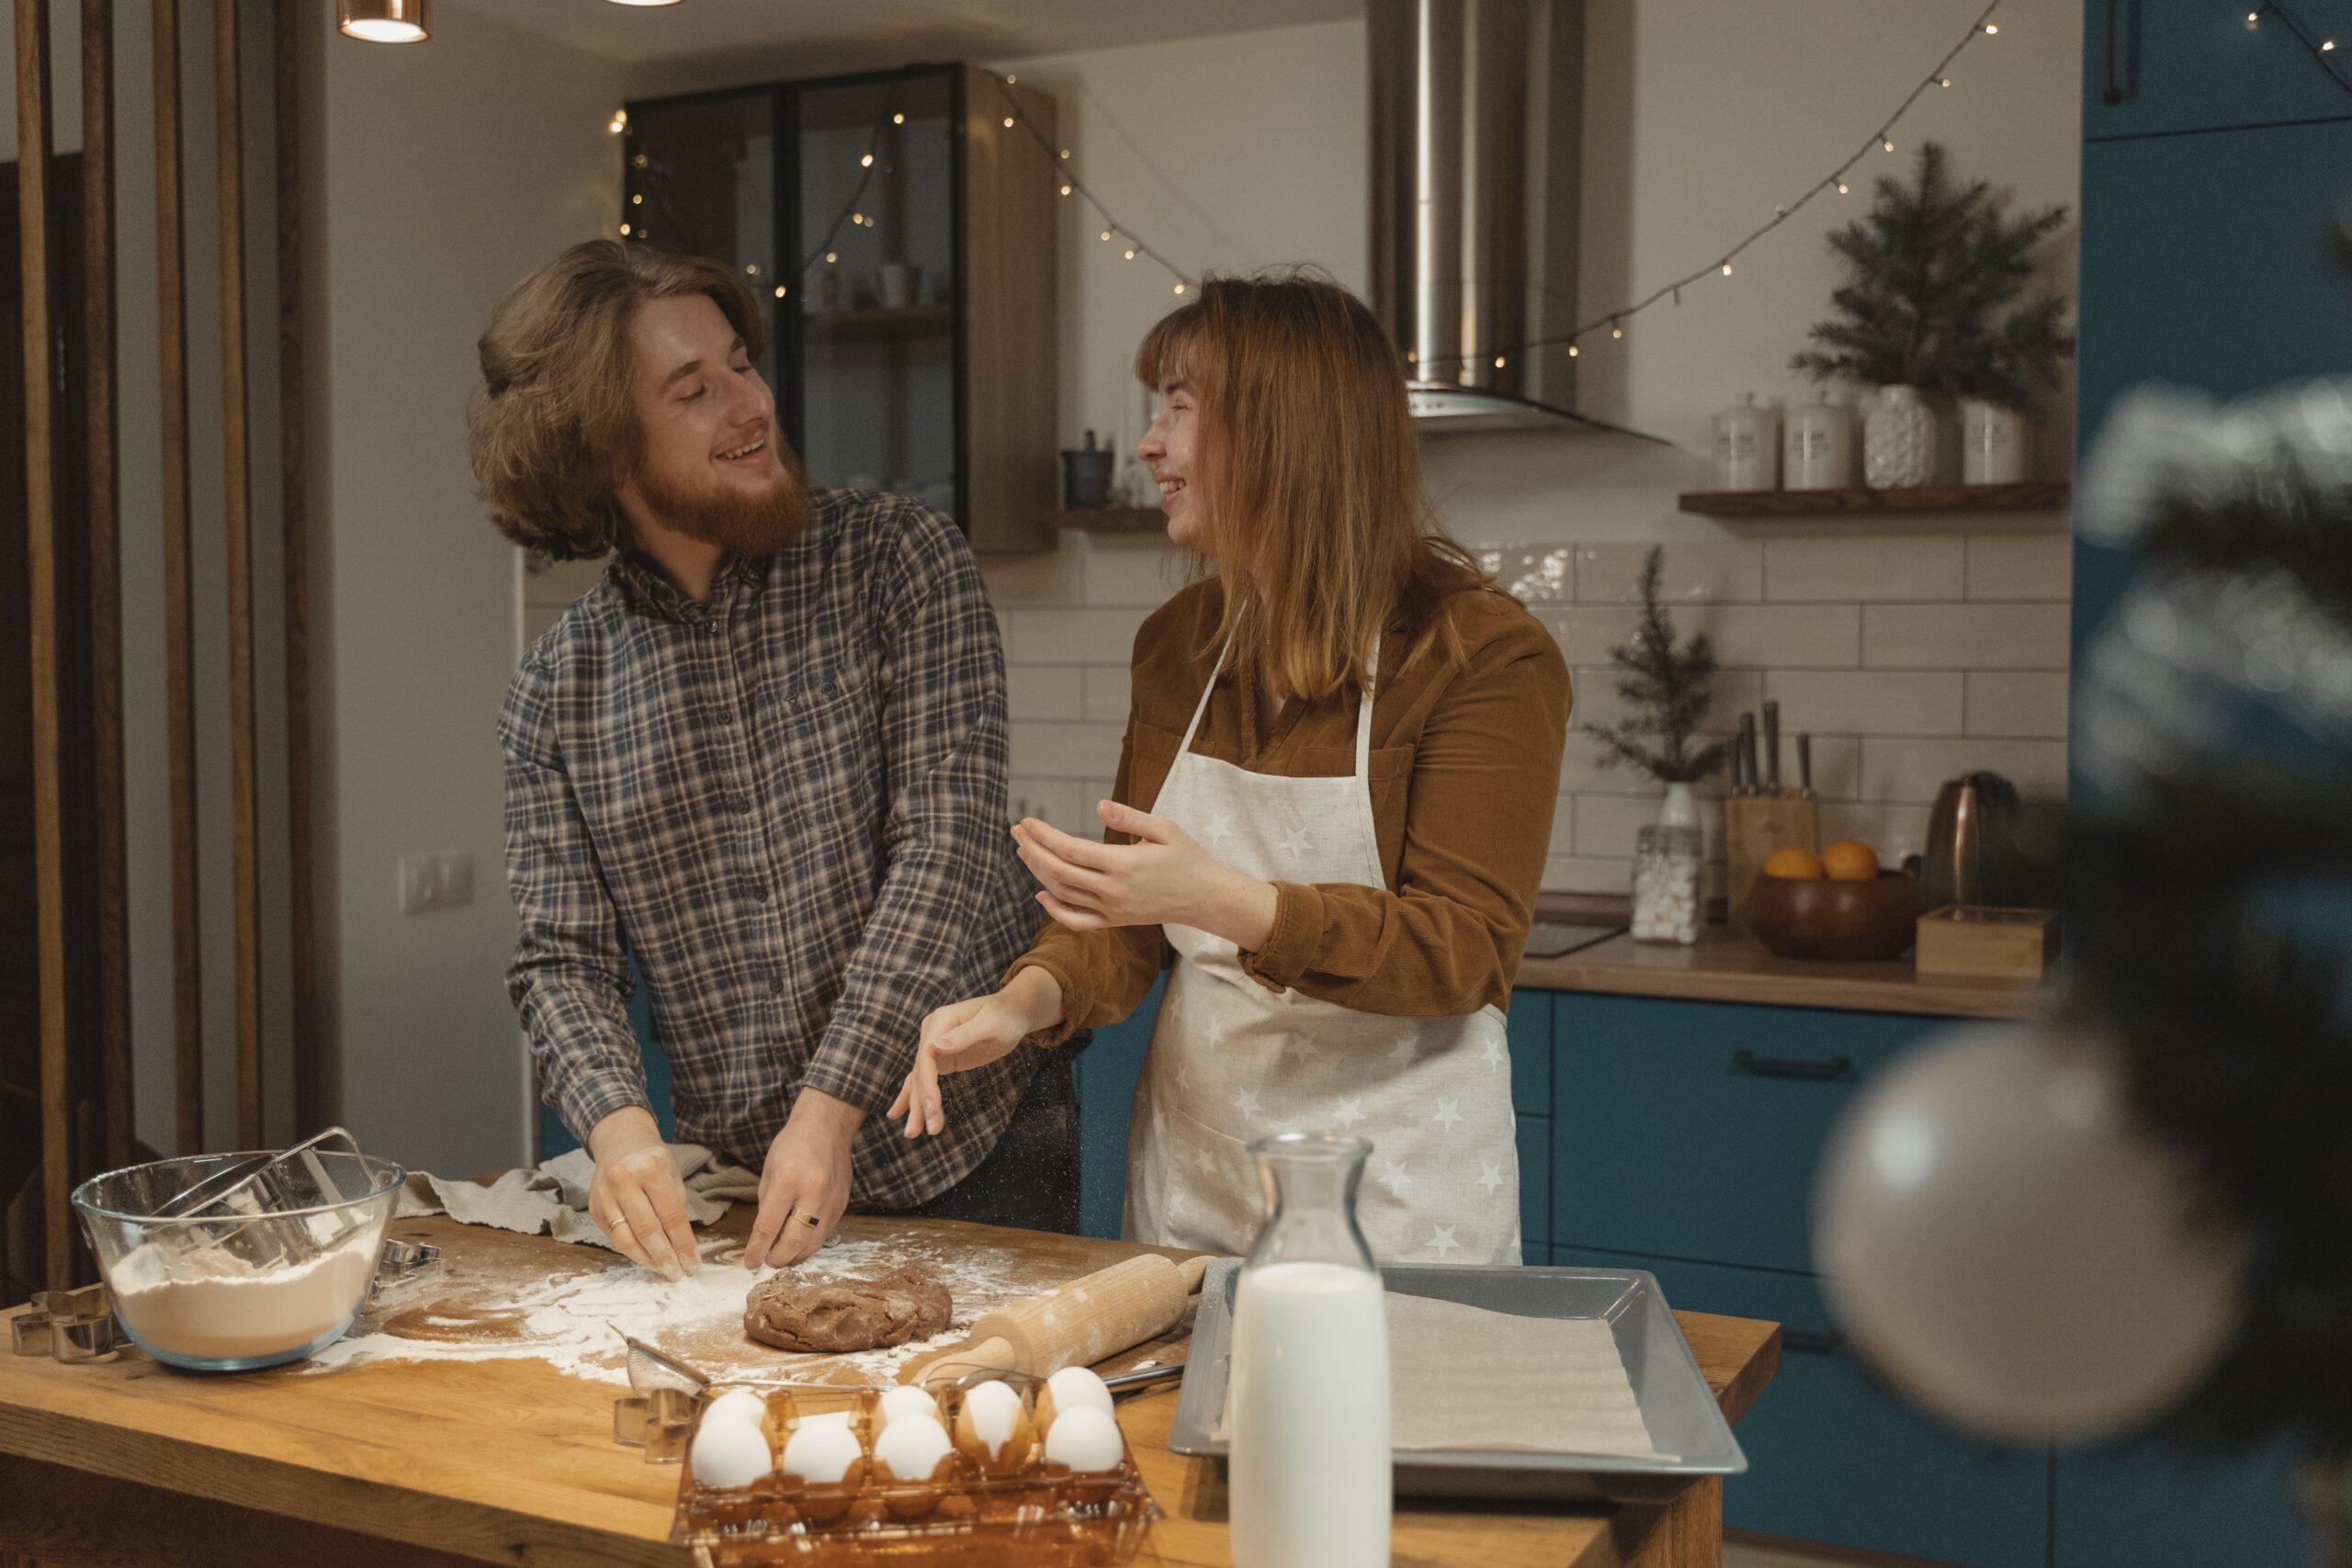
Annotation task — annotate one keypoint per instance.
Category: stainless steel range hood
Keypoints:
(1477, 132)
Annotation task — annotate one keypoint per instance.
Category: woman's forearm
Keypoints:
(1240, 908)
(1038, 996)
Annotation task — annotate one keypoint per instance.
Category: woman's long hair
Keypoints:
(1308, 473)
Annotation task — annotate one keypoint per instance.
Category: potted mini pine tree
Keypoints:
(1937, 301)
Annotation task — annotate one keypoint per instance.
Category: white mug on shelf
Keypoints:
(1992, 441)
(900, 285)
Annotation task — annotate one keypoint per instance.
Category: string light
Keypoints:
(831, 257)
(637, 201)
(1614, 331)
(752, 269)
(1008, 122)
(2328, 47)
(1573, 351)
(2321, 48)
(1499, 361)
(1066, 188)
(1726, 269)
(1179, 289)
(1991, 27)
(1943, 82)
(618, 123)
(779, 291)
(1106, 236)
(624, 231)
(1842, 187)
(1885, 145)
(867, 162)
(1131, 254)
(898, 120)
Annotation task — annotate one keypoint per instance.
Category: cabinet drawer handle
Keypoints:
(1792, 1066)
(1805, 1342)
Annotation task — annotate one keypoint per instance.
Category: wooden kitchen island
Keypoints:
(408, 1464)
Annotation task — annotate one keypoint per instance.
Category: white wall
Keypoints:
(446, 171)
(1914, 649)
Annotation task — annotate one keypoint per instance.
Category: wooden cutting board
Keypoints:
(431, 1465)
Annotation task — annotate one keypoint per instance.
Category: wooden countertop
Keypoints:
(429, 1464)
(1725, 966)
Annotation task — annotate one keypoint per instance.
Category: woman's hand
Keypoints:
(637, 1198)
(967, 1034)
(1163, 878)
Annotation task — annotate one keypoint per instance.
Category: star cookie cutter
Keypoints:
(660, 1422)
(72, 1326)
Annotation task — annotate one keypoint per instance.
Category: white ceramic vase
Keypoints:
(1680, 808)
(1899, 440)
(1993, 443)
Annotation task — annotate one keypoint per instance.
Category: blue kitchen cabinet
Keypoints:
(1107, 1073)
(2129, 1507)
(1690, 1129)
(1833, 1457)
(2184, 65)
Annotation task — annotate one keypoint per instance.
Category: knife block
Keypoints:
(1755, 826)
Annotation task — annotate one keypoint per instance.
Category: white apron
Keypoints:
(1231, 1061)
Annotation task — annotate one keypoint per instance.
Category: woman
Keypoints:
(1333, 805)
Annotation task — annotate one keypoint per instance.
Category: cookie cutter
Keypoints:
(662, 1423)
(403, 1264)
(72, 1326)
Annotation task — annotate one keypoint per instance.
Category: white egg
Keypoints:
(911, 1447)
(738, 1403)
(1073, 1388)
(993, 1426)
(1084, 1439)
(820, 1452)
(729, 1453)
(904, 1400)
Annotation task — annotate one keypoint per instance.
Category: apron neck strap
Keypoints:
(1363, 706)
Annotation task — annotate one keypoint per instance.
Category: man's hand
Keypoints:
(972, 1033)
(1163, 878)
(637, 1198)
(804, 1187)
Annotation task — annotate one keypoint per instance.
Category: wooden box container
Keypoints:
(1755, 826)
(1979, 942)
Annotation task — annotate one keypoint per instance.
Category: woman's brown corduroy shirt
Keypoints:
(1466, 766)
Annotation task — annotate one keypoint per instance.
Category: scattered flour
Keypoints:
(568, 1320)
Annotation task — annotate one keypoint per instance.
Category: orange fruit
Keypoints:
(1849, 861)
(1795, 864)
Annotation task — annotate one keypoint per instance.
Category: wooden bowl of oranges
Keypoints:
(1836, 903)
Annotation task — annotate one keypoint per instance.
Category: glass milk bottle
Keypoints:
(1308, 1406)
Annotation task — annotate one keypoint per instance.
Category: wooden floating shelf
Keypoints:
(2038, 497)
(869, 324)
(1112, 519)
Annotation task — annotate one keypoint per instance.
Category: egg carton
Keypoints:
(1020, 1511)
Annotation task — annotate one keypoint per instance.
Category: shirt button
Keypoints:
(751, 887)
(832, 690)
(739, 804)
(776, 985)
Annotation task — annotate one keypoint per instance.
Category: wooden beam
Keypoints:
(41, 539)
(310, 1109)
(105, 579)
(243, 813)
(179, 646)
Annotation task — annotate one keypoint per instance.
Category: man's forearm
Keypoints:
(822, 1113)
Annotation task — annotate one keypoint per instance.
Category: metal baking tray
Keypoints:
(1676, 1404)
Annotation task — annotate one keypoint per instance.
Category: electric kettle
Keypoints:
(1969, 857)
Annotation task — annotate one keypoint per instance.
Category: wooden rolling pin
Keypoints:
(1075, 1325)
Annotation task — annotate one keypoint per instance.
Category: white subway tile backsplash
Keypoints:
(1864, 566)
(1965, 637)
(2017, 704)
(1053, 579)
(1109, 692)
(1784, 637)
(1869, 702)
(1043, 749)
(1045, 691)
(2020, 566)
(1730, 570)
(1071, 636)
(1912, 658)
(1915, 770)
(1133, 569)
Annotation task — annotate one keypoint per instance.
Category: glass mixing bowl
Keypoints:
(278, 1275)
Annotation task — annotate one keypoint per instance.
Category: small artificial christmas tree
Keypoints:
(1934, 296)
(1667, 692)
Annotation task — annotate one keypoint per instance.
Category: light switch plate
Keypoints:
(436, 882)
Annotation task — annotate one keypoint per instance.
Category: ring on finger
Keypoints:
(813, 1221)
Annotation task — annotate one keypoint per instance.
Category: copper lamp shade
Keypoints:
(385, 21)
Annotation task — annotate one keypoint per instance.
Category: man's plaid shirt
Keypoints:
(788, 807)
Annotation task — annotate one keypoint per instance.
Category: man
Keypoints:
(764, 758)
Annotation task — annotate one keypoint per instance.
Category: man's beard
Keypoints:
(736, 522)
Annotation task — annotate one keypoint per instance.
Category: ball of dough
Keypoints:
(838, 1315)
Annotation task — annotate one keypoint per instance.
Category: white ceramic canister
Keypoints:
(1993, 443)
(1817, 446)
(1747, 446)
(1899, 441)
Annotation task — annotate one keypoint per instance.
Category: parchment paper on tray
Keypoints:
(1464, 1378)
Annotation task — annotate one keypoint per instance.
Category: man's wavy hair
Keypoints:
(552, 431)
